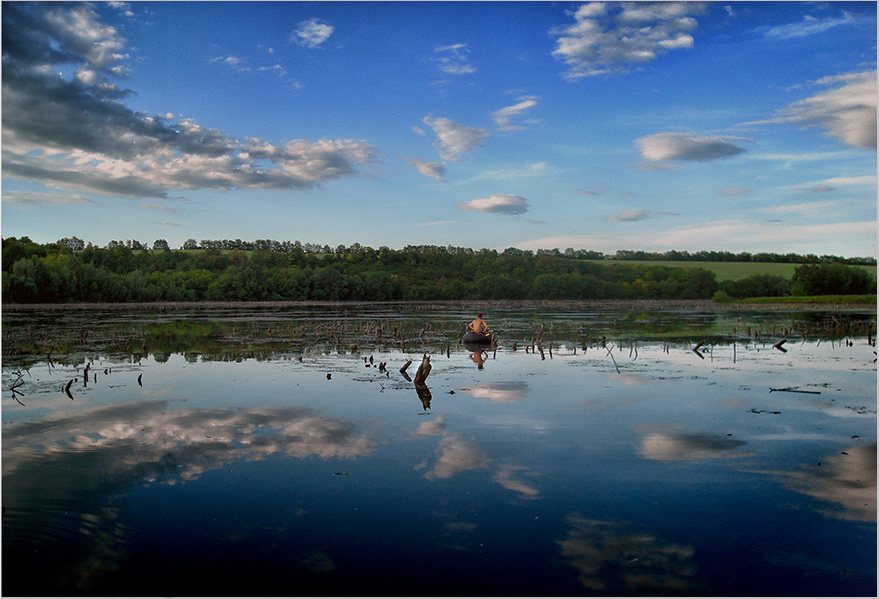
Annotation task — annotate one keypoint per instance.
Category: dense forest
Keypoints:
(72, 271)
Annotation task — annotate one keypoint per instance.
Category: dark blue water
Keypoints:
(598, 471)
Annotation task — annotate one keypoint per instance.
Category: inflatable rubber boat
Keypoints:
(478, 338)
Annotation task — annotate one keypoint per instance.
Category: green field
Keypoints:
(813, 299)
(729, 271)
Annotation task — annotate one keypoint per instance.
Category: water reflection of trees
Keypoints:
(263, 333)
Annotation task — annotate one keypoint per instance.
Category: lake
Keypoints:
(607, 450)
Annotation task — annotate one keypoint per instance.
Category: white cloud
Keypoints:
(454, 59)
(78, 134)
(502, 203)
(863, 180)
(813, 209)
(432, 169)
(735, 235)
(436, 223)
(748, 235)
(735, 192)
(505, 116)
(233, 62)
(660, 147)
(33, 197)
(311, 33)
(538, 169)
(808, 26)
(454, 139)
(278, 70)
(846, 112)
(609, 37)
(158, 206)
(630, 215)
(818, 189)
(590, 192)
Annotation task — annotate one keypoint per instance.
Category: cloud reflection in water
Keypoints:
(687, 446)
(58, 473)
(614, 559)
(506, 477)
(501, 391)
(147, 442)
(847, 480)
(455, 455)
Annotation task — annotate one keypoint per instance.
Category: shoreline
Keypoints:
(600, 305)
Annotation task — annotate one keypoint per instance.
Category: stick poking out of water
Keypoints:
(423, 370)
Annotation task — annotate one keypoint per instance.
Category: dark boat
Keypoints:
(478, 338)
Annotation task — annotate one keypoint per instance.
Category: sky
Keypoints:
(728, 126)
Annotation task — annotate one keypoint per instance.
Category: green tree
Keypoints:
(501, 287)
(831, 279)
(74, 243)
(757, 286)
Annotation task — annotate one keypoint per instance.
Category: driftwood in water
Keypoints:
(779, 347)
(423, 370)
(795, 390)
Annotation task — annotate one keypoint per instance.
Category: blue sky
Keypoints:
(738, 126)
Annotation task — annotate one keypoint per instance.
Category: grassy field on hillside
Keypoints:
(813, 299)
(725, 271)
(729, 271)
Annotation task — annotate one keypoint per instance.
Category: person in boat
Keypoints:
(479, 325)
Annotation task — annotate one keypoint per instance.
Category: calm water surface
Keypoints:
(215, 452)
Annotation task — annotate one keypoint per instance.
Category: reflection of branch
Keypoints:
(424, 395)
(15, 385)
(614, 360)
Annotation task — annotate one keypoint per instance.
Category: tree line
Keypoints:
(67, 271)
(271, 245)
